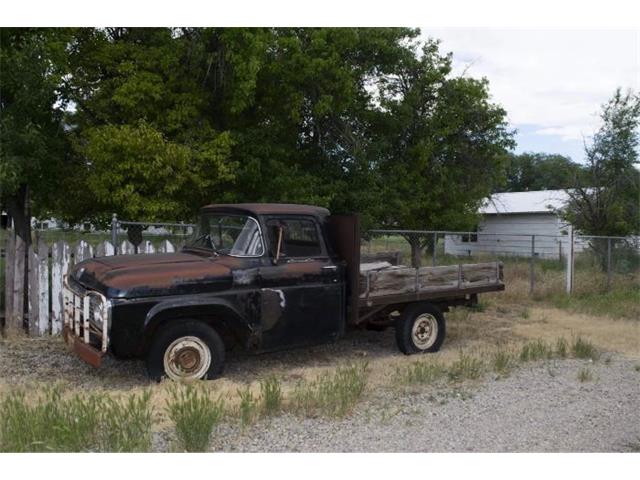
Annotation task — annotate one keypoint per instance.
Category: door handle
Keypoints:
(329, 268)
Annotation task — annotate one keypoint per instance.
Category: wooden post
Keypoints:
(18, 284)
(9, 266)
(105, 249)
(532, 268)
(609, 269)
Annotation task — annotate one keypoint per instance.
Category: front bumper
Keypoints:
(85, 351)
(86, 316)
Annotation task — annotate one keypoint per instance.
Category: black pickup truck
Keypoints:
(261, 277)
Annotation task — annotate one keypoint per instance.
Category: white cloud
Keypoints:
(555, 80)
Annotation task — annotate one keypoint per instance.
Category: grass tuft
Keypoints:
(535, 350)
(465, 367)
(584, 349)
(332, 395)
(562, 347)
(194, 413)
(248, 407)
(271, 395)
(421, 372)
(585, 375)
(503, 362)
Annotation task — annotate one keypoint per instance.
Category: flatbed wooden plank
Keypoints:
(405, 280)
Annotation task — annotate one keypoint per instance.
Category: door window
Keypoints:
(297, 238)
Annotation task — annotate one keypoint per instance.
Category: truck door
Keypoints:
(302, 293)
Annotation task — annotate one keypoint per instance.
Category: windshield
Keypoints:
(237, 235)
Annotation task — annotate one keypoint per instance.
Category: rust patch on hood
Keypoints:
(126, 276)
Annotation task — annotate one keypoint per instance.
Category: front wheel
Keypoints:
(420, 329)
(185, 351)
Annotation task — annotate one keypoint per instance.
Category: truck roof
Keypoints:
(269, 209)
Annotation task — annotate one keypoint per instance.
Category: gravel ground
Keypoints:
(541, 407)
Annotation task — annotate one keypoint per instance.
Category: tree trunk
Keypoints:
(19, 212)
(416, 250)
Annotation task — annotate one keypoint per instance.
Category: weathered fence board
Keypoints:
(60, 257)
(44, 302)
(126, 248)
(166, 247)
(39, 290)
(104, 249)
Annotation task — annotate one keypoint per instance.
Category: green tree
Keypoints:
(540, 171)
(145, 138)
(33, 147)
(441, 147)
(609, 202)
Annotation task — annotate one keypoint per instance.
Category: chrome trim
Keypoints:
(77, 312)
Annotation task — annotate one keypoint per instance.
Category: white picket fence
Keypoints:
(47, 266)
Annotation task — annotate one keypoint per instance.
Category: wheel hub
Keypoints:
(187, 358)
(424, 331)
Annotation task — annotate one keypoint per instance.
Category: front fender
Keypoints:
(235, 316)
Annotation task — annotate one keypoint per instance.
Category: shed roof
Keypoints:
(541, 201)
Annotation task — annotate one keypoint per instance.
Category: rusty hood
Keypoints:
(133, 276)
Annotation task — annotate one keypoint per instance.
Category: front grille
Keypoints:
(85, 314)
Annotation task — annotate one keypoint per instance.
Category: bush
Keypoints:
(194, 413)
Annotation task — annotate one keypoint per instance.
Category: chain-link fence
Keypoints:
(538, 265)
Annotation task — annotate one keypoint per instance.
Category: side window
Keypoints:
(299, 238)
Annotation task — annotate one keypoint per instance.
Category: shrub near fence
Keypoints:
(48, 264)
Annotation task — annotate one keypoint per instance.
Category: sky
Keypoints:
(552, 83)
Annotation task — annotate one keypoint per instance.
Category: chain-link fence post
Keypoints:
(609, 271)
(435, 245)
(532, 265)
(570, 262)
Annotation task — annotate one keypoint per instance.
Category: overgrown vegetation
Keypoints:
(51, 422)
(194, 413)
(332, 395)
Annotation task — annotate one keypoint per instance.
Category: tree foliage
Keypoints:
(541, 171)
(609, 202)
(157, 122)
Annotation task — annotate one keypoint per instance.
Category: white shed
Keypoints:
(509, 220)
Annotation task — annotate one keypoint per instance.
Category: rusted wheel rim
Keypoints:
(187, 358)
(424, 331)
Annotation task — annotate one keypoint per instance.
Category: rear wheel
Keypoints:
(420, 329)
(188, 350)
